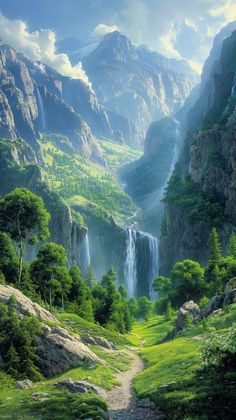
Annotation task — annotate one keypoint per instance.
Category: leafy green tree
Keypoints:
(188, 281)
(203, 302)
(24, 218)
(133, 307)
(8, 259)
(187, 321)
(2, 278)
(49, 272)
(145, 308)
(232, 245)
(162, 286)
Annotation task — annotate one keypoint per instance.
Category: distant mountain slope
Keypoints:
(35, 98)
(134, 84)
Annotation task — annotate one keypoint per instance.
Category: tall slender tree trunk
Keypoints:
(62, 301)
(50, 298)
(20, 267)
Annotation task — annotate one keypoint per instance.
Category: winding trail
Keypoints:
(122, 401)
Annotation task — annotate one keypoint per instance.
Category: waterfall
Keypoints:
(141, 263)
(131, 262)
(85, 254)
(154, 264)
(41, 109)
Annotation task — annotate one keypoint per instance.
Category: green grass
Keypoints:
(80, 326)
(169, 377)
(150, 332)
(117, 154)
(16, 404)
(81, 181)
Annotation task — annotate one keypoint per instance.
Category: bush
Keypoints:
(218, 354)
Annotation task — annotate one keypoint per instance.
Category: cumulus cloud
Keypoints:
(38, 46)
(227, 11)
(102, 30)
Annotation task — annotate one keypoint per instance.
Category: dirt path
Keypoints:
(122, 402)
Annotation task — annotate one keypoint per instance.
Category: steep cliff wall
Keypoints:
(207, 197)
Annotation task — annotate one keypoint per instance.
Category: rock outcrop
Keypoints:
(25, 306)
(188, 308)
(80, 386)
(60, 351)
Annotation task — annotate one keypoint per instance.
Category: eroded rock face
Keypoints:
(60, 351)
(34, 98)
(25, 306)
(136, 84)
(190, 308)
(209, 156)
(80, 386)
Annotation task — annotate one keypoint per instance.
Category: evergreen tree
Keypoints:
(168, 313)
(90, 277)
(80, 295)
(214, 249)
(232, 245)
(213, 273)
(162, 286)
(12, 362)
(134, 308)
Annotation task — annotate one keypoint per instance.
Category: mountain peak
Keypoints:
(114, 47)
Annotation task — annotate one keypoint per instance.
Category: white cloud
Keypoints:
(166, 44)
(197, 67)
(40, 46)
(226, 11)
(102, 30)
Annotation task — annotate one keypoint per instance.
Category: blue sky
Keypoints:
(176, 28)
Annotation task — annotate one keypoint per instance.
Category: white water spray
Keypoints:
(131, 262)
(41, 109)
(85, 254)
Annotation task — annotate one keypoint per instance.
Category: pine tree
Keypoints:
(12, 362)
(168, 312)
(232, 245)
(215, 249)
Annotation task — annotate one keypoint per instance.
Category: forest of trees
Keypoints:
(49, 281)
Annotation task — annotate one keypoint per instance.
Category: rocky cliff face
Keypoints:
(211, 167)
(137, 84)
(34, 98)
(15, 171)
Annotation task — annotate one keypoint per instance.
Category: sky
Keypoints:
(175, 28)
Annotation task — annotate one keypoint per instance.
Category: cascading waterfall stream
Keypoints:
(136, 241)
(85, 254)
(131, 262)
(41, 109)
(137, 268)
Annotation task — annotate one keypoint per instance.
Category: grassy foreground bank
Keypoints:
(169, 377)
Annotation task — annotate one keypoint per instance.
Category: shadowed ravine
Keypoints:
(122, 401)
